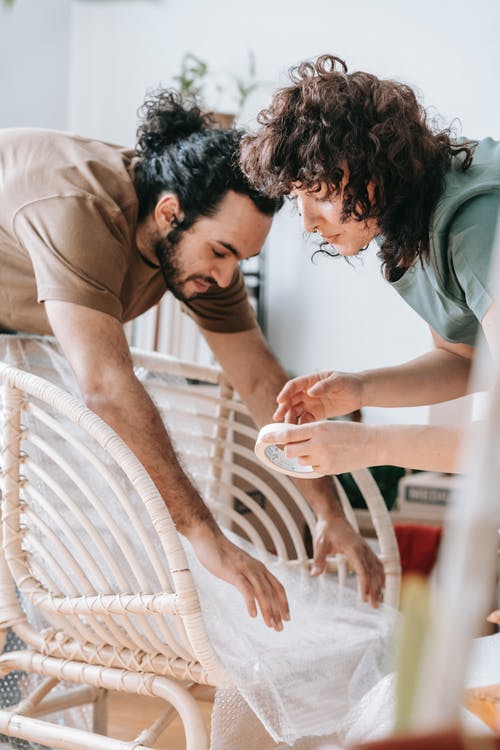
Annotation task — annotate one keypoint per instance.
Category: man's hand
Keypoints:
(333, 535)
(318, 396)
(252, 579)
(97, 350)
(258, 377)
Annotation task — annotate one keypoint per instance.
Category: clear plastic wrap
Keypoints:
(306, 687)
(303, 683)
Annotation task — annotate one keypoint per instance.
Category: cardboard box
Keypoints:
(426, 494)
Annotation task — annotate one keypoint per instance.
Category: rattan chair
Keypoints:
(88, 544)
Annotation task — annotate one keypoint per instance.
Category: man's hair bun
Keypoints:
(165, 118)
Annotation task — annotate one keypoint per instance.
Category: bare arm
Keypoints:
(439, 375)
(337, 446)
(97, 350)
(258, 377)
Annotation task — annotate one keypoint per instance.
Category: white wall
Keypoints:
(34, 57)
(446, 49)
(328, 315)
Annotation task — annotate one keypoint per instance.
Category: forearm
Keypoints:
(425, 447)
(430, 379)
(258, 377)
(97, 350)
(322, 496)
(135, 418)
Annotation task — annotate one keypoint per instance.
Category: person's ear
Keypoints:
(370, 189)
(167, 212)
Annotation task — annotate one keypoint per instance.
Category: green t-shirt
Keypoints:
(451, 290)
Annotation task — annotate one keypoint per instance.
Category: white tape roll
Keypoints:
(273, 456)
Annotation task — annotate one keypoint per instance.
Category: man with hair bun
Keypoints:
(363, 162)
(92, 235)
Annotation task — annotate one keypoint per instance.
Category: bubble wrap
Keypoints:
(306, 687)
(306, 681)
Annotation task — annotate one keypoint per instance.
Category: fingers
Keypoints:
(278, 601)
(371, 578)
(246, 591)
(299, 397)
(289, 411)
(333, 536)
(259, 587)
(293, 414)
(300, 451)
(494, 617)
(279, 414)
(376, 594)
(322, 387)
(303, 456)
(295, 394)
(319, 561)
(293, 434)
(306, 417)
(297, 385)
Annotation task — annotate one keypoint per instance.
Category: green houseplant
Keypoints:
(196, 79)
(192, 76)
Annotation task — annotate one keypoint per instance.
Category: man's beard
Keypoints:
(167, 252)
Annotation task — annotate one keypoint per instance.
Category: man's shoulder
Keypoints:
(41, 166)
(27, 137)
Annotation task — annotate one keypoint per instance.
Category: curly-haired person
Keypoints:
(363, 161)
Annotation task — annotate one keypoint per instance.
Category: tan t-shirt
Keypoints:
(68, 213)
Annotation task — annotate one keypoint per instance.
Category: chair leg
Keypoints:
(188, 710)
(109, 678)
(100, 713)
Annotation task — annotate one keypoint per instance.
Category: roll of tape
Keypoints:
(274, 457)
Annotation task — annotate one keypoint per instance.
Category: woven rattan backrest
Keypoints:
(87, 537)
(215, 436)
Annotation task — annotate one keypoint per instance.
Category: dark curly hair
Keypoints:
(180, 150)
(328, 120)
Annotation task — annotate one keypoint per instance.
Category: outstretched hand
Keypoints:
(256, 584)
(318, 396)
(333, 535)
(329, 447)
